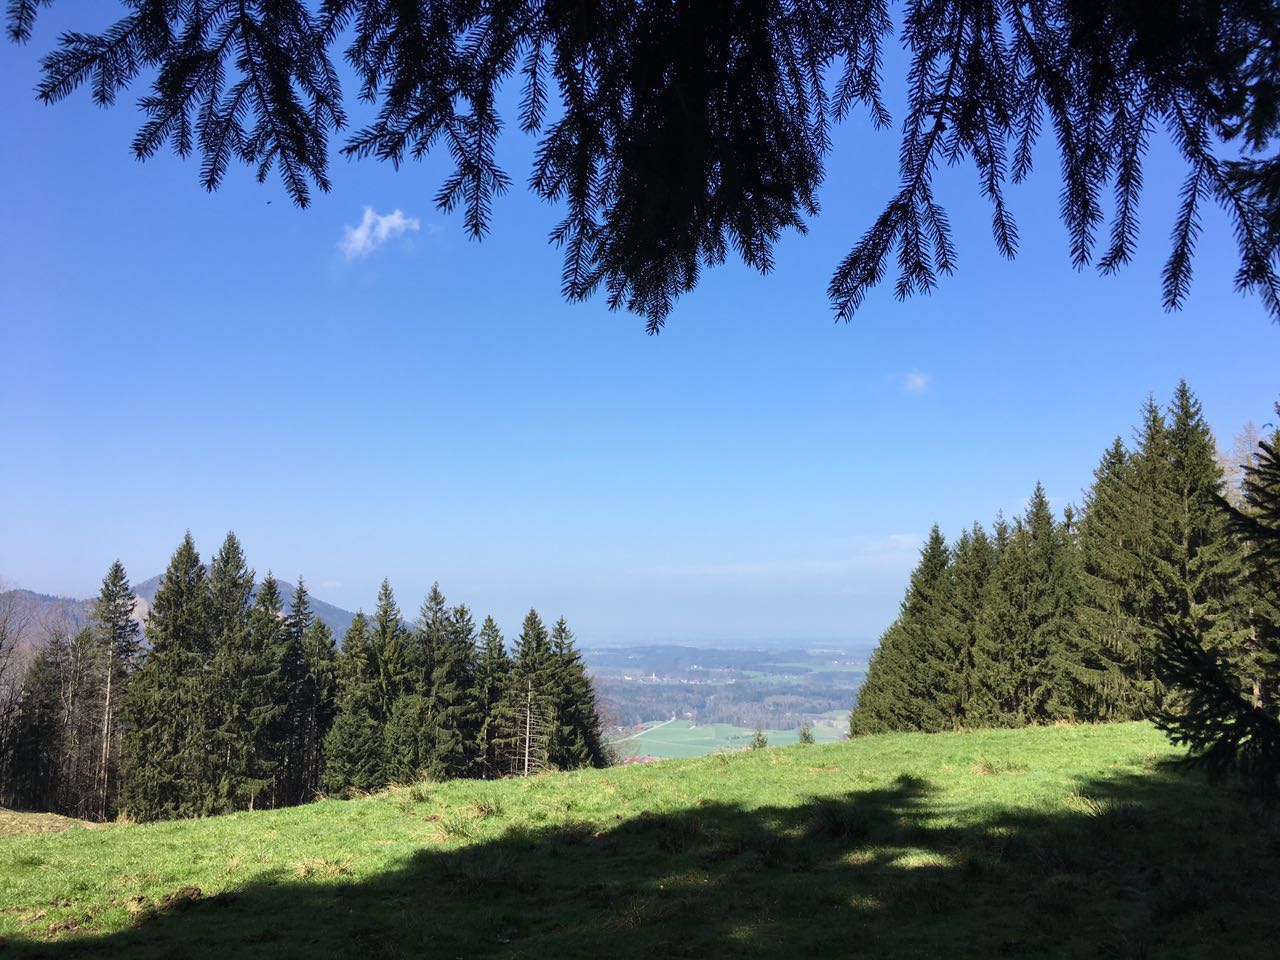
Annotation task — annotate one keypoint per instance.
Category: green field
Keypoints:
(679, 739)
(1075, 842)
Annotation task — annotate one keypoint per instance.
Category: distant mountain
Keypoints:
(335, 618)
(30, 616)
(41, 609)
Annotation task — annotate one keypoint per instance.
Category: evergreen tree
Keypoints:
(679, 134)
(165, 748)
(230, 600)
(1115, 640)
(409, 741)
(806, 735)
(531, 699)
(119, 633)
(995, 679)
(389, 656)
(253, 736)
(493, 700)
(430, 635)
(354, 748)
(910, 683)
(33, 769)
(290, 778)
(314, 699)
(1023, 647)
(972, 565)
(1255, 522)
(576, 738)
(758, 740)
(1200, 561)
(1226, 709)
(452, 719)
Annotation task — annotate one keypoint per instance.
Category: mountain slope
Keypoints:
(334, 617)
(41, 609)
(1063, 842)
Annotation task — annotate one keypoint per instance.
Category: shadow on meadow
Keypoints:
(1150, 866)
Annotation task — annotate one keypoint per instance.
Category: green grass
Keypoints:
(681, 739)
(1058, 842)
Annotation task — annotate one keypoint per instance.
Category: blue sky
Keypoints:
(432, 409)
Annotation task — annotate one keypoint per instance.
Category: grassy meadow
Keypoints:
(1062, 841)
(680, 739)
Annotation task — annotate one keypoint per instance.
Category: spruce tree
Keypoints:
(409, 741)
(881, 705)
(290, 777)
(910, 682)
(389, 655)
(972, 565)
(430, 634)
(1200, 559)
(493, 701)
(253, 735)
(994, 680)
(230, 600)
(1023, 647)
(314, 703)
(32, 770)
(1255, 522)
(354, 748)
(119, 632)
(1115, 639)
(165, 748)
(531, 699)
(1225, 709)
(451, 712)
(576, 738)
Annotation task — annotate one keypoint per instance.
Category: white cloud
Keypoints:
(915, 382)
(330, 584)
(375, 229)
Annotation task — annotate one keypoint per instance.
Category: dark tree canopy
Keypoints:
(673, 131)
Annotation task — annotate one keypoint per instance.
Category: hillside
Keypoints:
(335, 618)
(1073, 842)
(40, 608)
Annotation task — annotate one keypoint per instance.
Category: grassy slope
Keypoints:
(681, 738)
(1071, 842)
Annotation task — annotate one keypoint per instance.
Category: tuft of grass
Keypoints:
(986, 767)
(321, 868)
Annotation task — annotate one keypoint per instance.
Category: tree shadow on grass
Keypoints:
(1137, 866)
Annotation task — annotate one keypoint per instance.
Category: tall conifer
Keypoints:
(908, 684)
(493, 703)
(165, 745)
(354, 749)
(119, 633)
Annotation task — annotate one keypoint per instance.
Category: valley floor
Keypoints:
(1060, 842)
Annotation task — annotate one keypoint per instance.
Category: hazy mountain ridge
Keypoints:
(43, 610)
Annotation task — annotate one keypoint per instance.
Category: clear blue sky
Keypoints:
(434, 410)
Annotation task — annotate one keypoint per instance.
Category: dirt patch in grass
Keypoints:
(15, 823)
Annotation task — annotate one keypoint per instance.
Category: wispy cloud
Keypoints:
(915, 382)
(374, 230)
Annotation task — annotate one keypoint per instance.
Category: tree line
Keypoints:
(1159, 599)
(227, 701)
